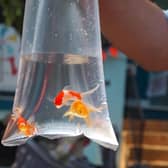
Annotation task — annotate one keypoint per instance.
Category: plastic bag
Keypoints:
(60, 89)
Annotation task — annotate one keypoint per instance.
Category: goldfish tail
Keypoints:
(90, 91)
(31, 119)
(69, 115)
(50, 99)
(35, 129)
(102, 107)
(16, 113)
(97, 109)
(14, 116)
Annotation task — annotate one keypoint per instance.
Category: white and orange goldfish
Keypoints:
(66, 96)
(82, 110)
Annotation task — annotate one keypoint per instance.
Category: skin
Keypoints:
(138, 28)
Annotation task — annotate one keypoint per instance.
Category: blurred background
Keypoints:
(138, 103)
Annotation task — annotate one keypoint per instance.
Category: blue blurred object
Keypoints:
(115, 77)
(6, 104)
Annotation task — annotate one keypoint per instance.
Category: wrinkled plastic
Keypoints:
(60, 89)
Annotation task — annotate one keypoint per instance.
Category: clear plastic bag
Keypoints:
(60, 89)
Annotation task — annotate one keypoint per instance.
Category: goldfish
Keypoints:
(26, 127)
(81, 110)
(66, 96)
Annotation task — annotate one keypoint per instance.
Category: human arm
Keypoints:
(139, 29)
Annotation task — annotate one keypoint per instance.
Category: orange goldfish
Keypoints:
(66, 96)
(28, 129)
(82, 110)
(24, 126)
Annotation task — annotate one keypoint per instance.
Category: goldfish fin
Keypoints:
(50, 99)
(69, 114)
(71, 117)
(97, 109)
(35, 129)
(31, 119)
(14, 116)
(102, 107)
(16, 113)
(90, 91)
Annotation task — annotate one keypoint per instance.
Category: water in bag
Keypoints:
(60, 94)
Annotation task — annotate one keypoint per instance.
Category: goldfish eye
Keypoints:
(58, 99)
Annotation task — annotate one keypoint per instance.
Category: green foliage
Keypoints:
(12, 11)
